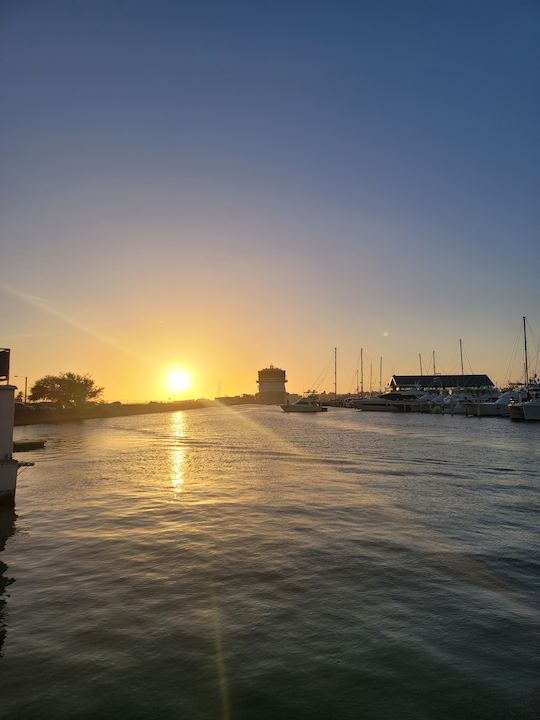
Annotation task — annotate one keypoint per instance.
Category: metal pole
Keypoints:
(420, 358)
(380, 374)
(335, 373)
(526, 356)
(25, 385)
(434, 371)
(362, 369)
(461, 355)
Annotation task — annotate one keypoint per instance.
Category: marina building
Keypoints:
(271, 383)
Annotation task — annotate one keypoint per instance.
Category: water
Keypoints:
(250, 564)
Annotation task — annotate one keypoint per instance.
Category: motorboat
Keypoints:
(459, 402)
(527, 406)
(531, 409)
(392, 401)
(309, 404)
(498, 407)
(515, 410)
(525, 410)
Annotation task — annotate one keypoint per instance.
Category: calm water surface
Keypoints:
(250, 564)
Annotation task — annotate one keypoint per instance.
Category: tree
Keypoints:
(67, 390)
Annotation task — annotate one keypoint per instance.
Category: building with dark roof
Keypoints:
(437, 382)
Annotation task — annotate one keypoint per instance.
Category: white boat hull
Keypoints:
(309, 404)
(303, 408)
(516, 411)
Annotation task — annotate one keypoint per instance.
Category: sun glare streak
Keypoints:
(45, 307)
(425, 537)
(177, 381)
(280, 440)
(220, 662)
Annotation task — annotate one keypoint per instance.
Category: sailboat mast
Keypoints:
(434, 371)
(420, 358)
(362, 369)
(357, 388)
(461, 355)
(335, 373)
(380, 374)
(526, 354)
(370, 376)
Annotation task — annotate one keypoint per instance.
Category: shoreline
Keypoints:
(54, 416)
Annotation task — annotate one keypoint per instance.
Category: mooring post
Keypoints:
(8, 466)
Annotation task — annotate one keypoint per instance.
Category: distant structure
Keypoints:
(235, 399)
(438, 382)
(271, 386)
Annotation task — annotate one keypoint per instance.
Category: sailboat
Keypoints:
(528, 409)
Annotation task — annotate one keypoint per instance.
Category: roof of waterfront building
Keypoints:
(440, 381)
(272, 372)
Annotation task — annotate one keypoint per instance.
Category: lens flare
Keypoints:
(178, 381)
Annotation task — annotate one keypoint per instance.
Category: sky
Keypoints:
(214, 187)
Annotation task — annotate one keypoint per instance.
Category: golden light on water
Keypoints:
(177, 455)
(177, 458)
(178, 381)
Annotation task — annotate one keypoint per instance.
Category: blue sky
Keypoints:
(230, 185)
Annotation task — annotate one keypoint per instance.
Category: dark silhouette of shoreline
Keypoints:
(39, 415)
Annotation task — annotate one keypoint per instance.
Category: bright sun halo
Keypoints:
(178, 381)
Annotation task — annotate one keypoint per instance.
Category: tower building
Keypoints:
(271, 386)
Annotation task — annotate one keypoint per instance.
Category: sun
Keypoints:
(178, 381)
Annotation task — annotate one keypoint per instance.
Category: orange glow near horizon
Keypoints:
(219, 353)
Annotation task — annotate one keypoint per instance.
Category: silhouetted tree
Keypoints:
(66, 389)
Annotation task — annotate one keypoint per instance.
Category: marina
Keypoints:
(471, 395)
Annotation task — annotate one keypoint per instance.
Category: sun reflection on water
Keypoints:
(177, 456)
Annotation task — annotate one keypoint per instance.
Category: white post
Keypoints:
(8, 466)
